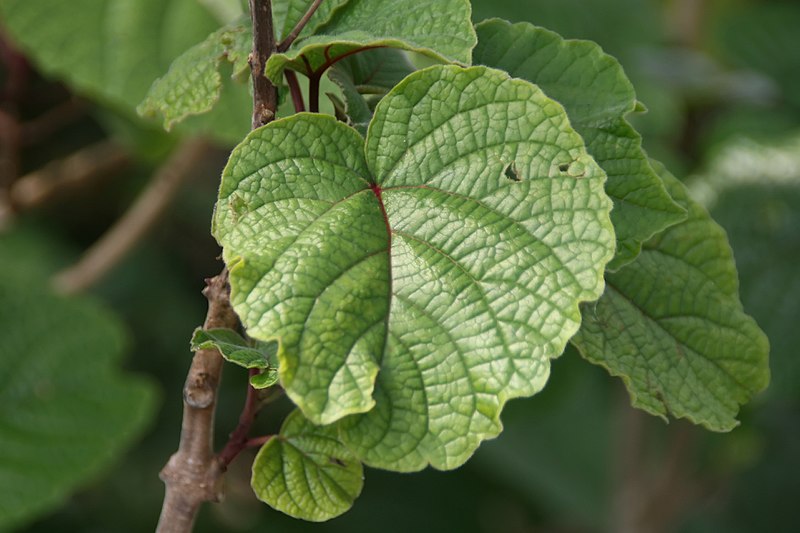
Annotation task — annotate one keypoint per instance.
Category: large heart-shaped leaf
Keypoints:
(449, 252)
(597, 95)
(671, 325)
(306, 472)
(66, 413)
(441, 29)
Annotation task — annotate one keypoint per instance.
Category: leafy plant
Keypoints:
(404, 266)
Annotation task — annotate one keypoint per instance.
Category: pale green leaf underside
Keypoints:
(671, 325)
(365, 78)
(193, 84)
(306, 472)
(597, 95)
(441, 29)
(65, 412)
(460, 295)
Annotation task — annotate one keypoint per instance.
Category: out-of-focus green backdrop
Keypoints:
(721, 82)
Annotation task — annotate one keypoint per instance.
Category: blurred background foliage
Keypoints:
(721, 82)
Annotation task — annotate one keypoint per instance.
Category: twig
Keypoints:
(630, 493)
(191, 475)
(258, 441)
(287, 42)
(10, 140)
(134, 224)
(41, 127)
(294, 90)
(265, 94)
(81, 168)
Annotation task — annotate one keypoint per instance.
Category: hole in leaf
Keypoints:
(337, 461)
(511, 172)
(563, 167)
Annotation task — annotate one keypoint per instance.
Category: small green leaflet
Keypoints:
(597, 95)
(441, 29)
(306, 472)
(413, 259)
(670, 324)
(235, 349)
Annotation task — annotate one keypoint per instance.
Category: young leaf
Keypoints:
(235, 349)
(670, 324)
(365, 78)
(441, 29)
(306, 472)
(416, 255)
(66, 412)
(193, 84)
(597, 95)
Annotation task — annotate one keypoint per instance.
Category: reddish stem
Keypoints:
(257, 442)
(294, 90)
(238, 439)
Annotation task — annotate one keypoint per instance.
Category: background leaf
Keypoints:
(113, 50)
(671, 325)
(597, 96)
(66, 413)
(306, 472)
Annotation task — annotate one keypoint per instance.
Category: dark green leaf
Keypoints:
(597, 95)
(670, 324)
(66, 413)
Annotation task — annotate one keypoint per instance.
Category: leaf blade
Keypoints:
(702, 356)
(597, 95)
(306, 472)
(442, 30)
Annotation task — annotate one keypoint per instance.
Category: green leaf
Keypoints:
(670, 324)
(113, 50)
(761, 179)
(417, 255)
(193, 84)
(287, 13)
(235, 348)
(365, 78)
(66, 413)
(306, 472)
(441, 30)
(597, 95)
